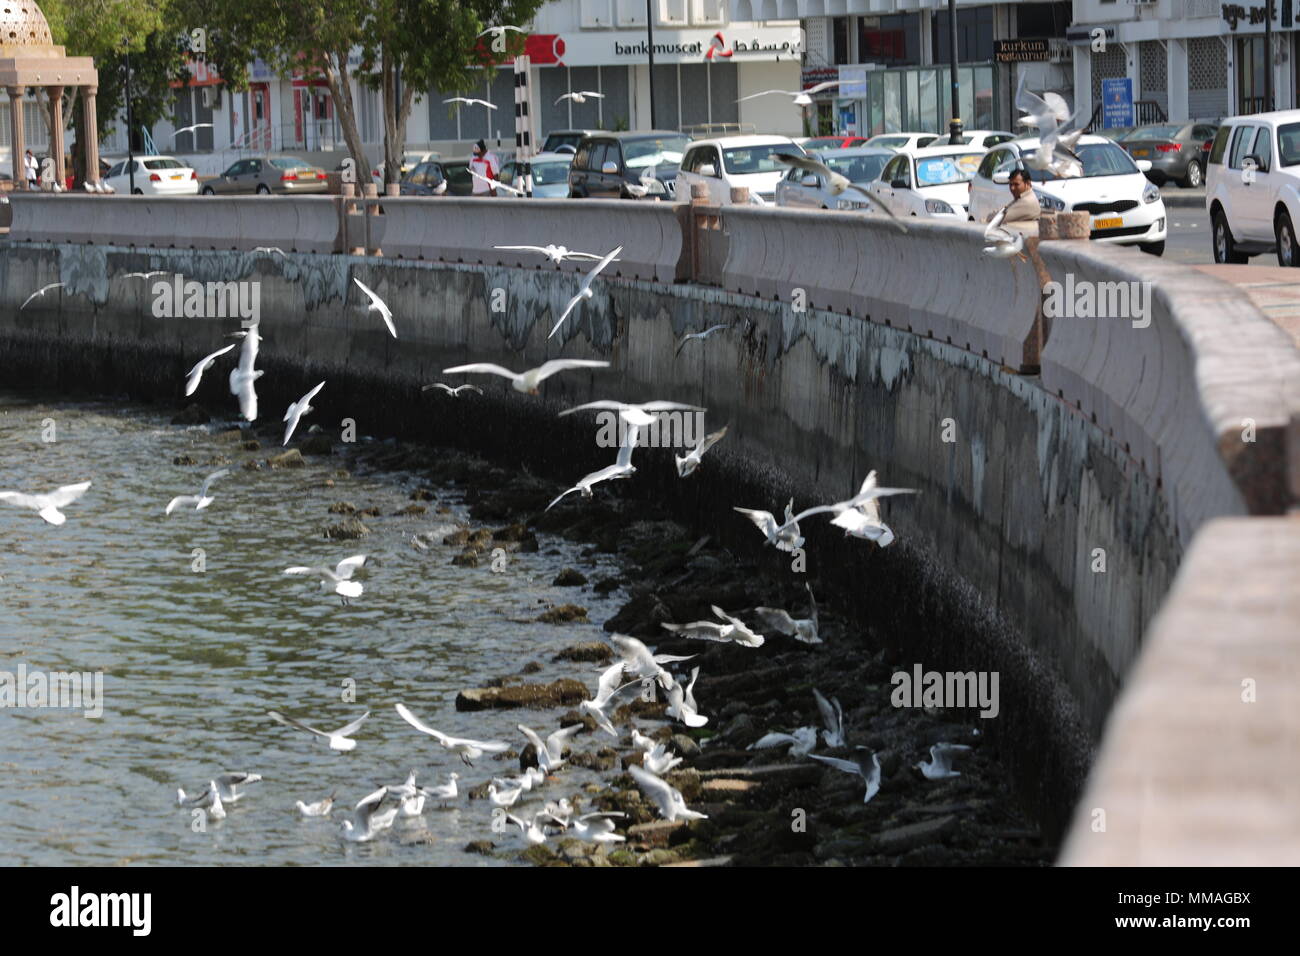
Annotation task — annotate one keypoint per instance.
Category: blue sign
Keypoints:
(1116, 102)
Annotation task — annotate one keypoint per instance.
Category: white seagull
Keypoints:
(527, 382)
(228, 785)
(801, 629)
(186, 129)
(444, 791)
(377, 305)
(501, 30)
(470, 101)
(504, 798)
(688, 463)
(584, 290)
(648, 182)
(497, 184)
(579, 97)
(800, 742)
(244, 375)
(550, 753)
(639, 662)
(681, 709)
(269, 249)
(734, 631)
(1003, 243)
(599, 830)
(337, 578)
(145, 275)
(864, 495)
(866, 765)
(295, 412)
(939, 766)
(368, 819)
(453, 392)
(48, 505)
(1050, 114)
(639, 415)
(836, 183)
(622, 468)
(659, 761)
(556, 254)
(863, 520)
(801, 97)
(611, 693)
(664, 796)
(202, 499)
(699, 335)
(321, 808)
(215, 809)
(785, 537)
(833, 718)
(40, 292)
(339, 739)
(467, 749)
(205, 363)
(530, 830)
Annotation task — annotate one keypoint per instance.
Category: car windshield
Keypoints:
(549, 174)
(889, 142)
(744, 160)
(1099, 159)
(1155, 132)
(1288, 144)
(945, 170)
(640, 153)
(289, 163)
(162, 164)
(857, 169)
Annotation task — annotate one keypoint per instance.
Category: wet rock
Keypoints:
(192, 415)
(185, 460)
(562, 614)
(641, 617)
(342, 508)
(569, 578)
(466, 559)
(659, 858)
(622, 857)
(591, 651)
(656, 833)
(532, 667)
(251, 444)
(481, 847)
(423, 494)
(685, 745)
(348, 530)
(464, 537)
(540, 855)
(741, 730)
(606, 585)
(410, 510)
(287, 459)
(901, 839)
(563, 692)
(317, 445)
(252, 465)
(442, 510)
(512, 532)
(602, 760)
(371, 512)
(327, 483)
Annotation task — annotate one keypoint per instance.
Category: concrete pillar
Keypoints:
(18, 142)
(1176, 72)
(55, 93)
(1082, 81)
(90, 132)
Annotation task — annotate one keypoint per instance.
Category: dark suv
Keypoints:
(606, 164)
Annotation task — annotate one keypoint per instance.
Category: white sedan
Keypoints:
(860, 164)
(928, 182)
(154, 176)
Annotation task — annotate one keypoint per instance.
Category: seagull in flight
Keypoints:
(40, 292)
(48, 505)
(786, 537)
(470, 101)
(1003, 243)
(202, 499)
(584, 289)
(699, 335)
(530, 830)
(669, 800)
(556, 254)
(579, 97)
(225, 786)
(801, 629)
(339, 739)
(296, 411)
(368, 819)
(648, 182)
(611, 694)
(468, 750)
(865, 764)
(687, 464)
(836, 183)
(1051, 115)
(270, 249)
(640, 663)
(339, 578)
(529, 381)
(377, 305)
(681, 703)
(622, 468)
(833, 718)
(496, 183)
(638, 415)
(453, 392)
(599, 830)
(863, 520)
(244, 375)
(801, 97)
(186, 129)
(659, 761)
(734, 631)
(321, 808)
(144, 275)
(939, 766)
(550, 753)
(500, 31)
(801, 742)
(864, 495)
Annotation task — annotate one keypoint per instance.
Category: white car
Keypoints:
(984, 138)
(1252, 187)
(861, 164)
(903, 140)
(736, 161)
(1125, 206)
(154, 176)
(928, 182)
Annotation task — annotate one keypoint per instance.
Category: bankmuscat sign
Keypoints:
(613, 47)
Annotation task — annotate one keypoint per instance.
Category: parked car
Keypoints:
(819, 143)
(410, 159)
(861, 164)
(425, 179)
(1174, 150)
(930, 181)
(983, 138)
(898, 141)
(1126, 207)
(566, 140)
(282, 175)
(730, 161)
(607, 163)
(1256, 211)
(459, 180)
(154, 176)
(550, 175)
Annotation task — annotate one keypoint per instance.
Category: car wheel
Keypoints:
(1153, 248)
(137, 191)
(1193, 179)
(1225, 247)
(1284, 231)
(208, 191)
(263, 189)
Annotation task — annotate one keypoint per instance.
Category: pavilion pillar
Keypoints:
(55, 93)
(18, 143)
(90, 131)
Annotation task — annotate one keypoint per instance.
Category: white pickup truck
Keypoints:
(1252, 187)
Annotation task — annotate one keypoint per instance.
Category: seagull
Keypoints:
(524, 782)
(865, 493)
(836, 183)
(664, 795)
(244, 375)
(377, 305)
(186, 129)
(688, 463)
(600, 830)
(700, 335)
(833, 718)
(556, 254)
(215, 809)
(550, 754)
(1045, 112)
(405, 790)
(269, 249)
(339, 739)
(579, 97)
(1050, 114)
(659, 760)
(800, 742)
(500, 31)
(688, 696)
(939, 766)
(786, 537)
(863, 520)
(228, 785)
(610, 695)
(622, 468)
(446, 791)
(295, 412)
(801, 97)
(48, 505)
(39, 292)
(527, 382)
(202, 499)
(497, 184)
(531, 831)
(145, 275)
(467, 749)
(866, 765)
(1004, 243)
(641, 741)
(638, 415)
(321, 808)
(453, 392)
(339, 578)
(413, 806)
(648, 182)
(196, 373)
(504, 798)
(680, 709)
(584, 290)
(367, 819)
(735, 631)
(638, 660)
(469, 101)
(804, 629)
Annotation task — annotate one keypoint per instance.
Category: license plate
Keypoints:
(1112, 223)
(177, 176)
(1141, 152)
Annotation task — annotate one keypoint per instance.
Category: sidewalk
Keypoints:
(1274, 291)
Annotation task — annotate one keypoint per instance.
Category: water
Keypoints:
(192, 661)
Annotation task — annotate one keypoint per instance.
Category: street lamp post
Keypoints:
(130, 154)
(650, 49)
(954, 126)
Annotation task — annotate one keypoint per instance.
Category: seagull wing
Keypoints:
(64, 496)
(763, 520)
(306, 399)
(349, 729)
(535, 740)
(624, 459)
(829, 84)
(661, 792)
(207, 482)
(569, 308)
(556, 742)
(586, 282)
(827, 712)
(487, 368)
(291, 722)
(765, 93)
(180, 500)
(537, 249)
(609, 682)
(422, 727)
(603, 403)
(710, 440)
(776, 618)
(347, 566)
(995, 224)
(848, 766)
(547, 369)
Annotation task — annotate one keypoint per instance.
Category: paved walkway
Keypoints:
(1274, 290)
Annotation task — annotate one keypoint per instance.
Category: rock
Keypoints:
(641, 617)
(563, 692)
(466, 559)
(184, 460)
(741, 730)
(512, 532)
(589, 652)
(659, 858)
(539, 855)
(901, 839)
(654, 834)
(442, 510)
(192, 415)
(569, 578)
(685, 745)
(605, 585)
(410, 510)
(252, 465)
(319, 444)
(602, 760)
(482, 847)
(342, 508)
(371, 512)
(726, 786)
(348, 530)
(287, 459)
(562, 614)
(327, 483)
(532, 667)
(251, 444)
(622, 857)
(423, 494)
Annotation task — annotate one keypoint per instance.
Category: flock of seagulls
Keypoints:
(1050, 115)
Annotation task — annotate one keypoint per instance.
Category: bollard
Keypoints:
(704, 215)
(393, 189)
(1047, 226)
(740, 195)
(370, 191)
(1073, 225)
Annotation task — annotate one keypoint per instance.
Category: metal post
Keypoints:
(130, 153)
(650, 49)
(1268, 56)
(954, 126)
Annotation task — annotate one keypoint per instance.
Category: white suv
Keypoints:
(1125, 206)
(735, 161)
(1251, 185)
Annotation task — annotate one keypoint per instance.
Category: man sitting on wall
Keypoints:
(1023, 211)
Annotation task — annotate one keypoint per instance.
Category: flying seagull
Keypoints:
(1051, 115)
(1003, 243)
(638, 415)
(681, 703)
(144, 275)
(833, 718)
(664, 795)
(497, 184)
(40, 292)
(295, 412)
(339, 739)
(500, 31)
(686, 465)
(529, 381)
(622, 468)
(270, 249)
(939, 766)
(244, 375)
(648, 182)
(185, 129)
(226, 786)
(584, 290)
(48, 505)
(699, 335)
(369, 817)
(556, 254)
(579, 97)
(453, 392)
(863, 520)
(865, 764)
(864, 495)
(377, 305)
(786, 537)
(550, 753)
(800, 742)
(339, 578)
(611, 693)
(470, 101)
(801, 97)
(734, 631)
(202, 499)
(836, 183)
(801, 629)
(467, 749)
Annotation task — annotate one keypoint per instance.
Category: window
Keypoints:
(163, 164)
(550, 174)
(254, 166)
(1241, 145)
(667, 150)
(990, 163)
(1264, 149)
(1099, 159)
(857, 169)
(745, 160)
(1288, 145)
(596, 157)
(946, 170)
(1221, 144)
(290, 163)
(417, 176)
(1202, 133)
(897, 170)
(116, 170)
(237, 169)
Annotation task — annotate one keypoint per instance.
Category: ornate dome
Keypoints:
(23, 24)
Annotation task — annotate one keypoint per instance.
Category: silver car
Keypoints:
(267, 175)
(860, 164)
(550, 176)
